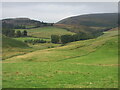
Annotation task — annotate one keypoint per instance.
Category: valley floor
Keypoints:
(83, 64)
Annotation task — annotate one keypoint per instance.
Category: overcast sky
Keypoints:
(53, 12)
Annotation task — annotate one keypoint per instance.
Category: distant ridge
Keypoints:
(21, 21)
(24, 22)
(97, 20)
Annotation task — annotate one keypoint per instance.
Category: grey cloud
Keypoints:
(53, 12)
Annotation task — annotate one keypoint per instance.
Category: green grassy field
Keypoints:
(82, 64)
(46, 32)
(16, 46)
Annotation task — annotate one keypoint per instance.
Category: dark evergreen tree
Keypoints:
(66, 38)
(75, 37)
(54, 38)
(8, 32)
(24, 33)
(18, 34)
(11, 33)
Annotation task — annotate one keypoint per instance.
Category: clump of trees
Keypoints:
(18, 34)
(66, 38)
(21, 34)
(34, 41)
(45, 24)
(8, 30)
(70, 38)
(55, 38)
(24, 33)
(11, 32)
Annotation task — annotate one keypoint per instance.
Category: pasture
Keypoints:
(46, 32)
(83, 64)
(16, 46)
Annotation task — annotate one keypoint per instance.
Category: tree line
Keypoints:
(34, 41)
(70, 38)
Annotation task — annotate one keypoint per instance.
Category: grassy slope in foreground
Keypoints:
(82, 64)
(12, 47)
(46, 32)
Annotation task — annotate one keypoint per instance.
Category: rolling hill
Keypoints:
(91, 63)
(74, 49)
(12, 43)
(83, 64)
(93, 20)
(12, 47)
(15, 46)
